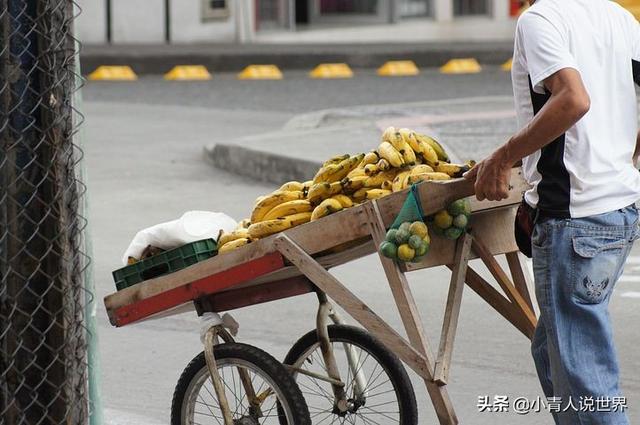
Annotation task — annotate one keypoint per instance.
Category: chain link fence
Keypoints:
(43, 360)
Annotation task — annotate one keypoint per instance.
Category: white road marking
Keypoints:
(119, 417)
(630, 294)
(633, 260)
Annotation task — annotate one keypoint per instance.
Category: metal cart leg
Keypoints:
(360, 384)
(218, 385)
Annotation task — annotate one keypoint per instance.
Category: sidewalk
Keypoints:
(296, 151)
(158, 59)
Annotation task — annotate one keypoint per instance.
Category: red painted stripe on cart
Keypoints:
(209, 285)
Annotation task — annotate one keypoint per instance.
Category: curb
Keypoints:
(161, 59)
(260, 165)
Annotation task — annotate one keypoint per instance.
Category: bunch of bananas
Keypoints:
(403, 158)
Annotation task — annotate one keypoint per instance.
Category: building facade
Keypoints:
(224, 21)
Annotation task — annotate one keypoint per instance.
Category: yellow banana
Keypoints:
(269, 227)
(454, 170)
(318, 192)
(289, 208)
(389, 135)
(354, 183)
(429, 154)
(336, 159)
(322, 191)
(292, 186)
(271, 201)
(397, 140)
(370, 158)
(437, 147)
(358, 171)
(299, 218)
(350, 164)
(377, 193)
(371, 169)
(386, 185)
(344, 200)
(232, 245)
(400, 182)
(421, 169)
(383, 165)
(232, 236)
(428, 177)
(378, 179)
(244, 224)
(325, 173)
(360, 194)
(391, 154)
(326, 207)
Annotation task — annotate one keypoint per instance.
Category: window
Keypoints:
(470, 7)
(214, 9)
(409, 8)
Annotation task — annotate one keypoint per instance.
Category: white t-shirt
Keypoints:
(588, 170)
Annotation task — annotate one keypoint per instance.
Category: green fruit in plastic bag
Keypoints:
(406, 253)
(423, 249)
(453, 233)
(389, 250)
(461, 206)
(461, 221)
(443, 219)
(391, 235)
(402, 236)
(415, 241)
(419, 228)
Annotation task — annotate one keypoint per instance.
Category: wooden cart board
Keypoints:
(296, 261)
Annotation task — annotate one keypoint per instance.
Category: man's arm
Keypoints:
(568, 103)
(636, 153)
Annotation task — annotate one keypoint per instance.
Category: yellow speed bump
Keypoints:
(507, 65)
(461, 66)
(331, 70)
(398, 69)
(188, 73)
(113, 73)
(261, 72)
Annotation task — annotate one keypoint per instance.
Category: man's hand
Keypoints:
(492, 177)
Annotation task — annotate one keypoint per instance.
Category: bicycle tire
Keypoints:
(262, 361)
(405, 395)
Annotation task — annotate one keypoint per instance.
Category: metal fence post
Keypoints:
(43, 364)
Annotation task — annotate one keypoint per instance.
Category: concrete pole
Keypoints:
(244, 18)
(443, 10)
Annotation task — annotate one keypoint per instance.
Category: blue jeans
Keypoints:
(576, 264)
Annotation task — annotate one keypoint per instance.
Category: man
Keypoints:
(576, 107)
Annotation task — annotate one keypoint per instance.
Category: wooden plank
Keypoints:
(182, 294)
(318, 236)
(452, 310)
(519, 277)
(244, 297)
(496, 300)
(410, 315)
(503, 280)
(494, 227)
(435, 196)
(351, 304)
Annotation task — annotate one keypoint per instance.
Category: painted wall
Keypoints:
(91, 25)
(187, 25)
(137, 21)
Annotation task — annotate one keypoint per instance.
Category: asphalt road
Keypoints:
(143, 144)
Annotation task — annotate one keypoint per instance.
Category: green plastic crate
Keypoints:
(165, 263)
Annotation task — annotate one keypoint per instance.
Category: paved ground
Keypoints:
(144, 158)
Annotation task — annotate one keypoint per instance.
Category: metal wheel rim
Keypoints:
(319, 415)
(202, 377)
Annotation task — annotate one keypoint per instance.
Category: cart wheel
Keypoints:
(277, 400)
(387, 396)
